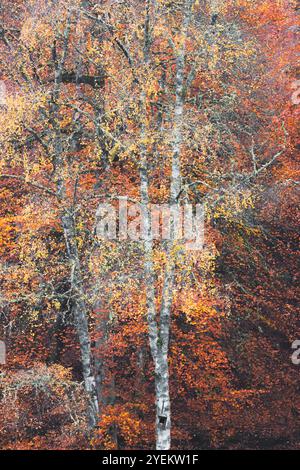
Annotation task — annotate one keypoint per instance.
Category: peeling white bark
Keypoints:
(159, 333)
(81, 318)
(68, 225)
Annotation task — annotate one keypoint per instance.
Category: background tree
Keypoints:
(162, 102)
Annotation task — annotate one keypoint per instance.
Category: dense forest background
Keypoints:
(137, 344)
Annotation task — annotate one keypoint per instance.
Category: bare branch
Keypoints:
(31, 183)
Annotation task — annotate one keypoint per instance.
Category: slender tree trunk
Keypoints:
(81, 318)
(163, 419)
(148, 245)
(68, 225)
(159, 333)
(163, 403)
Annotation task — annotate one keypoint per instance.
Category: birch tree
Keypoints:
(159, 328)
(150, 102)
(50, 139)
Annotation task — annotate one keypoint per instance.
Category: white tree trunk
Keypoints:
(163, 420)
(163, 405)
(159, 334)
(68, 225)
(81, 318)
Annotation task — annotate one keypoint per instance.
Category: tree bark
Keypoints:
(162, 374)
(79, 309)
(80, 314)
(159, 333)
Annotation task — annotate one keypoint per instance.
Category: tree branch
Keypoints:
(31, 183)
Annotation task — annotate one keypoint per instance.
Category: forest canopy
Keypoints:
(127, 129)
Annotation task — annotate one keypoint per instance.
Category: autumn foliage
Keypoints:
(82, 104)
